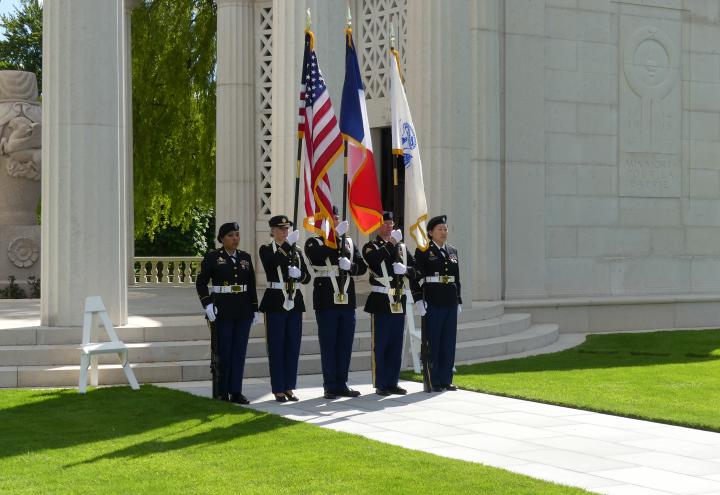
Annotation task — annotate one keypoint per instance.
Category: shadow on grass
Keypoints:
(615, 351)
(60, 419)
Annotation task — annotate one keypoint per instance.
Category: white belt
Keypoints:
(385, 290)
(277, 285)
(442, 279)
(326, 271)
(224, 289)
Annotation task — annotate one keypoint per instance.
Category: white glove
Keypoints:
(344, 263)
(399, 269)
(294, 272)
(342, 227)
(420, 308)
(211, 312)
(293, 237)
(257, 318)
(459, 309)
(397, 235)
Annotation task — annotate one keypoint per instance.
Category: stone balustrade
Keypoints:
(166, 270)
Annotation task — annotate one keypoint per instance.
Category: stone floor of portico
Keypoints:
(602, 453)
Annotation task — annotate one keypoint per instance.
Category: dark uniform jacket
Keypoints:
(323, 293)
(218, 268)
(273, 299)
(377, 253)
(433, 262)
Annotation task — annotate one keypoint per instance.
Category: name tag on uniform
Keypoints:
(221, 261)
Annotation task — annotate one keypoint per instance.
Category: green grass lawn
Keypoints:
(671, 377)
(115, 440)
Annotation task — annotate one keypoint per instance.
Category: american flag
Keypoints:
(322, 144)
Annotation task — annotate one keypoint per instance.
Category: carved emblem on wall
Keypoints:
(23, 252)
(650, 108)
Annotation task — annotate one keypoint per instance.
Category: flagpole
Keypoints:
(342, 275)
(399, 281)
(298, 166)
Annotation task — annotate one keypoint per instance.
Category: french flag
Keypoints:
(363, 191)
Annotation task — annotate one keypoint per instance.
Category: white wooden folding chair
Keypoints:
(89, 350)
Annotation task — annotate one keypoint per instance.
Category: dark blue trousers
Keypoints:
(232, 344)
(387, 345)
(336, 330)
(441, 329)
(283, 332)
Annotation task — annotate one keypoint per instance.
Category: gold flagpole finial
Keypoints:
(348, 18)
(392, 35)
(308, 19)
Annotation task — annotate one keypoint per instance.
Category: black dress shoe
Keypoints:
(281, 398)
(451, 388)
(239, 399)
(397, 390)
(382, 391)
(437, 389)
(224, 397)
(348, 392)
(330, 396)
(291, 397)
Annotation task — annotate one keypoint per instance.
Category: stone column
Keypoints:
(84, 210)
(486, 157)
(128, 136)
(439, 95)
(235, 168)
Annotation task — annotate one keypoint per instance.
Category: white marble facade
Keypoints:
(612, 148)
(575, 144)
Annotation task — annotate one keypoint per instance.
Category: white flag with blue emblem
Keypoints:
(405, 143)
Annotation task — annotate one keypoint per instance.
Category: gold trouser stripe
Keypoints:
(267, 345)
(372, 348)
(427, 367)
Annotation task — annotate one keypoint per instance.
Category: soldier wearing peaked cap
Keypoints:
(283, 306)
(231, 303)
(437, 299)
(388, 262)
(334, 303)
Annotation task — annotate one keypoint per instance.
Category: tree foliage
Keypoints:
(22, 47)
(173, 52)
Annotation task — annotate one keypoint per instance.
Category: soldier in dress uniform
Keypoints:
(283, 306)
(231, 302)
(334, 303)
(437, 299)
(388, 262)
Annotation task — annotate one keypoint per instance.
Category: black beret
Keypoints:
(387, 215)
(280, 221)
(434, 221)
(226, 228)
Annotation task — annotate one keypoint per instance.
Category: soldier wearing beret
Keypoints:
(283, 306)
(334, 303)
(389, 263)
(230, 302)
(437, 299)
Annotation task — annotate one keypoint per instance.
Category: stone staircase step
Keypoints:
(194, 327)
(534, 337)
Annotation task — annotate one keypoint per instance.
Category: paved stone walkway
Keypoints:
(598, 452)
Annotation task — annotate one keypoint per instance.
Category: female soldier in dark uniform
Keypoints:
(283, 306)
(231, 302)
(388, 263)
(335, 310)
(438, 300)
